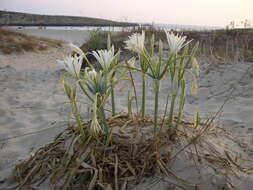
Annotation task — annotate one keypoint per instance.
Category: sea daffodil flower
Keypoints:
(76, 49)
(176, 42)
(136, 42)
(92, 74)
(96, 82)
(72, 64)
(105, 58)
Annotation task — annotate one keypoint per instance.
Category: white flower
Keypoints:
(105, 57)
(72, 64)
(176, 42)
(95, 81)
(92, 74)
(76, 49)
(135, 42)
(91, 77)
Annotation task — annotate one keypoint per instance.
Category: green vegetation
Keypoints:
(97, 41)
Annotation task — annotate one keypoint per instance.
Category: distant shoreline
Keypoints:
(74, 25)
(9, 18)
(112, 28)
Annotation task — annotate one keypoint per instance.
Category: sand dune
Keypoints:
(33, 102)
(77, 37)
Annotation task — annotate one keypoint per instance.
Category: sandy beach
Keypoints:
(77, 37)
(34, 107)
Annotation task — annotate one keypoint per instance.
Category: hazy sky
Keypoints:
(191, 12)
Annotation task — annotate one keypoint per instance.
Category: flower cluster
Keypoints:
(106, 58)
(98, 85)
(73, 64)
(176, 42)
(136, 42)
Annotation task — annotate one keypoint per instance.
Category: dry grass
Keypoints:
(126, 159)
(93, 162)
(14, 42)
(236, 44)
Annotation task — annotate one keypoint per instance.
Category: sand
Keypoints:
(77, 37)
(34, 107)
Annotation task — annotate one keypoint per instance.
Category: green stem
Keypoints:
(129, 104)
(181, 107)
(135, 93)
(157, 89)
(77, 115)
(103, 118)
(101, 115)
(182, 103)
(113, 102)
(165, 110)
(143, 95)
(79, 123)
(112, 95)
(172, 105)
(84, 91)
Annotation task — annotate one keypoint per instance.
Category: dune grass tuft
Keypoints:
(15, 42)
